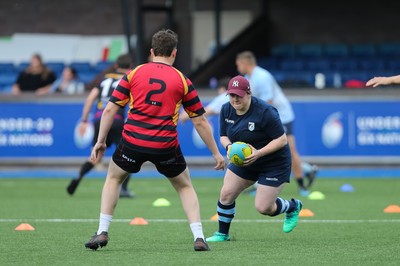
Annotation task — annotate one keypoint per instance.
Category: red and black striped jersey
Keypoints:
(155, 92)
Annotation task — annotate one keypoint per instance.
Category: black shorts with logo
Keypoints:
(169, 164)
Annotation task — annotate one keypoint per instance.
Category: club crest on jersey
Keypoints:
(251, 126)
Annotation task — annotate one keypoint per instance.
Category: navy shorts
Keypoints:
(169, 164)
(288, 127)
(272, 176)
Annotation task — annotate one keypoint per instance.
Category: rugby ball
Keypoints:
(238, 152)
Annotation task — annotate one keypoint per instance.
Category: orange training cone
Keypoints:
(306, 213)
(24, 227)
(214, 217)
(139, 221)
(392, 209)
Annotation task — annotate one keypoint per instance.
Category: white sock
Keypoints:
(197, 230)
(104, 223)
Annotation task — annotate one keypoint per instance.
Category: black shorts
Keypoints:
(168, 164)
(272, 176)
(288, 127)
(114, 135)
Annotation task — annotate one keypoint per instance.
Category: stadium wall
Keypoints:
(331, 128)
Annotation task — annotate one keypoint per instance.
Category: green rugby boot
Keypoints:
(292, 218)
(218, 237)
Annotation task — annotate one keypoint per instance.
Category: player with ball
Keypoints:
(248, 122)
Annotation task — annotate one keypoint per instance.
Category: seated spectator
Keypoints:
(68, 83)
(35, 78)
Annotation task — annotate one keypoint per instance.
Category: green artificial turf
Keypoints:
(347, 228)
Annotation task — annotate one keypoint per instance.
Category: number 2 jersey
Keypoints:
(106, 87)
(155, 92)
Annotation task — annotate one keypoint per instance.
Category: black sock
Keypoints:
(85, 168)
(225, 216)
(300, 182)
(124, 185)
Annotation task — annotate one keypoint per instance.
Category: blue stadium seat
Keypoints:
(82, 66)
(335, 50)
(355, 75)
(7, 79)
(364, 49)
(6, 68)
(291, 64)
(299, 78)
(22, 66)
(268, 63)
(371, 64)
(283, 50)
(308, 50)
(318, 65)
(56, 67)
(344, 64)
(393, 65)
(388, 49)
(102, 65)
(87, 77)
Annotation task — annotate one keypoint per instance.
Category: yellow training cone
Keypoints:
(25, 227)
(316, 195)
(161, 202)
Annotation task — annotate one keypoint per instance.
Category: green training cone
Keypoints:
(161, 202)
(316, 195)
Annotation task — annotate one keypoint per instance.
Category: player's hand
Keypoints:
(220, 160)
(255, 154)
(375, 82)
(82, 128)
(98, 151)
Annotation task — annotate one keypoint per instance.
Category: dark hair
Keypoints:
(164, 42)
(223, 82)
(124, 61)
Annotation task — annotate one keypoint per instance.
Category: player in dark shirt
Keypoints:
(99, 97)
(154, 92)
(248, 119)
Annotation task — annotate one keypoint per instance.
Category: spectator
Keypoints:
(36, 78)
(68, 83)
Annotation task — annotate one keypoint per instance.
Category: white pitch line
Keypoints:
(185, 221)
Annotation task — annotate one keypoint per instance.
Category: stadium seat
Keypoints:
(269, 63)
(335, 50)
(82, 66)
(318, 65)
(355, 75)
(393, 65)
(56, 67)
(7, 68)
(7, 79)
(102, 65)
(291, 64)
(362, 50)
(344, 64)
(87, 77)
(22, 66)
(283, 50)
(388, 49)
(299, 78)
(308, 50)
(371, 64)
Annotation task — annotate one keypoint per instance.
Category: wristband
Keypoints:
(227, 146)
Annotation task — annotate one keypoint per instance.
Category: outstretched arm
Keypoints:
(376, 81)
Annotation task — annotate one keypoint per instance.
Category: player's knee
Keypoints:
(264, 209)
(226, 197)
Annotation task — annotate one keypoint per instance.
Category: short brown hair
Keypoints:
(124, 61)
(164, 42)
(248, 56)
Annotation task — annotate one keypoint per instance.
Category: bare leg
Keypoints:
(266, 196)
(296, 161)
(188, 196)
(110, 194)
